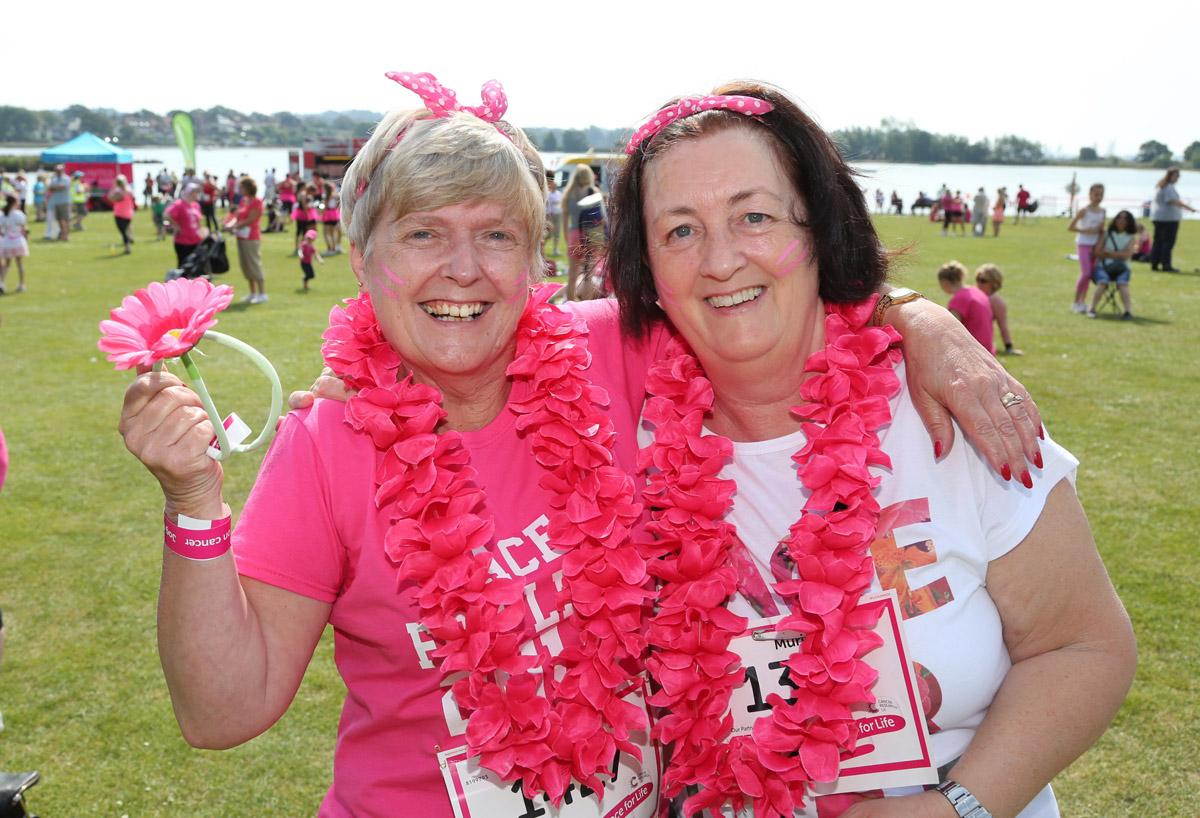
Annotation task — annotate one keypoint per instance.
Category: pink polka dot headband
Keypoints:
(442, 101)
(690, 106)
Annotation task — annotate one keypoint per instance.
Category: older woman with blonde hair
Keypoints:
(483, 422)
(464, 521)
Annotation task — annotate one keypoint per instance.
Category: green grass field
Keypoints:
(81, 691)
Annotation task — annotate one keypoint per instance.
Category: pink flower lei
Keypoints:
(439, 533)
(846, 402)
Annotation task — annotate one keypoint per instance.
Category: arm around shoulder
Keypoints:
(950, 373)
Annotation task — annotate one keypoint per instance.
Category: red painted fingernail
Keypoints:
(1037, 459)
(1042, 432)
(1026, 480)
(1006, 472)
(937, 449)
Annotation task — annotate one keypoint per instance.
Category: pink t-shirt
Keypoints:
(976, 310)
(123, 208)
(251, 210)
(311, 527)
(186, 216)
(307, 251)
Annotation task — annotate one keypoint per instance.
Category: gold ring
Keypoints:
(1011, 399)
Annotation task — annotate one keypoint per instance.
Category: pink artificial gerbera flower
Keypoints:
(162, 321)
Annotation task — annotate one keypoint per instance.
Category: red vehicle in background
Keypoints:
(328, 157)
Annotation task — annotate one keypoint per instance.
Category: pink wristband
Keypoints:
(197, 540)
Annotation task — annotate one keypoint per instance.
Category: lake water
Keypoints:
(1125, 188)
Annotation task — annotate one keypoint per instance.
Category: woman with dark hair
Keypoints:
(738, 225)
(1113, 253)
(304, 214)
(14, 244)
(1168, 212)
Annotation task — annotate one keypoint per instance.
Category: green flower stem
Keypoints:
(210, 407)
(264, 366)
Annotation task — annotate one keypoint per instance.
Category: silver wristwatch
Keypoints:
(964, 803)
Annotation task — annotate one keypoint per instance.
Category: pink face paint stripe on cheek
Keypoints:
(388, 272)
(800, 258)
(787, 251)
(520, 292)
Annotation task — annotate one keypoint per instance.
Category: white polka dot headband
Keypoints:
(690, 106)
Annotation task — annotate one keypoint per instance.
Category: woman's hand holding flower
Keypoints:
(165, 426)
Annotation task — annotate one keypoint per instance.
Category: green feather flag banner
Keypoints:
(185, 135)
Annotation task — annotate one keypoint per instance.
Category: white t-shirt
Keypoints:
(554, 203)
(941, 524)
(12, 227)
(1091, 219)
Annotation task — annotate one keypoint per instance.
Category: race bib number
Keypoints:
(631, 788)
(893, 746)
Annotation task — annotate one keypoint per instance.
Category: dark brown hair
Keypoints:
(1131, 225)
(851, 262)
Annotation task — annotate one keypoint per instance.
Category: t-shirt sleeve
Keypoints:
(1008, 511)
(286, 535)
(610, 347)
(960, 302)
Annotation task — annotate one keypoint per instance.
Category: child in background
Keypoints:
(307, 253)
(1088, 226)
(157, 208)
(1142, 253)
(967, 304)
(989, 279)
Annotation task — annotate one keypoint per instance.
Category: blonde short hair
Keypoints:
(989, 274)
(953, 272)
(439, 162)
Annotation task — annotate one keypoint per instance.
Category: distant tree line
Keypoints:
(577, 140)
(214, 126)
(895, 141)
(892, 141)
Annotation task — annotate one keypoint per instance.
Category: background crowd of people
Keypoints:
(190, 208)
